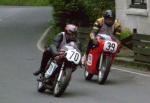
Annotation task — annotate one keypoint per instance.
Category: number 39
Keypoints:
(110, 46)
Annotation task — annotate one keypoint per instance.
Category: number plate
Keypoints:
(51, 69)
(89, 60)
(73, 56)
(110, 46)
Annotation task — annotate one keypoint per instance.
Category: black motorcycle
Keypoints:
(59, 70)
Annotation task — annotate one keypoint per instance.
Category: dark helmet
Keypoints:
(109, 17)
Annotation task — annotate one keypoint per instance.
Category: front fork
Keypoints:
(61, 72)
(100, 62)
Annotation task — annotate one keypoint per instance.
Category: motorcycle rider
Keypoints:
(104, 25)
(69, 34)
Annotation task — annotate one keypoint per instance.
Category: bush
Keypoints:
(126, 33)
(79, 12)
(24, 2)
(54, 30)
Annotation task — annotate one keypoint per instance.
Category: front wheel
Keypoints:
(104, 69)
(87, 75)
(40, 87)
(61, 85)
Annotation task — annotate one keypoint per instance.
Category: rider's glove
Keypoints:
(95, 42)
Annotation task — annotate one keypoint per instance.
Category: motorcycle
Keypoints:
(101, 57)
(59, 70)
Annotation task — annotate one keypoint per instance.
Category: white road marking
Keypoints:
(40, 43)
(141, 74)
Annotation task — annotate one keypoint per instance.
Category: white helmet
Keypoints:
(71, 29)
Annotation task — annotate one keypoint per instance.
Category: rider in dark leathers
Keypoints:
(69, 34)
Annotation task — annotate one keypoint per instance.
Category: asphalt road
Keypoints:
(20, 29)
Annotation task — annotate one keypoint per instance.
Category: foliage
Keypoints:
(24, 2)
(126, 33)
(54, 30)
(79, 12)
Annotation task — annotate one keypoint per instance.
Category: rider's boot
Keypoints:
(36, 73)
(83, 60)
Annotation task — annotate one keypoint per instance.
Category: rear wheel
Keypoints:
(105, 69)
(61, 85)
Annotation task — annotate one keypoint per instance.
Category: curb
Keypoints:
(129, 62)
(43, 39)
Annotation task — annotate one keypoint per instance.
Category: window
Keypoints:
(142, 4)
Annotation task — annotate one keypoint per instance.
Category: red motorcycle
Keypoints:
(101, 57)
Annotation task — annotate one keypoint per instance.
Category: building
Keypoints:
(134, 14)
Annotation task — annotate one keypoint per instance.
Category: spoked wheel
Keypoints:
(104, 70)
(40, 87)
(87, 75)
(61, 85)
(57, 89)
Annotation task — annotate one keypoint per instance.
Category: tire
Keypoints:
(61, 86)
(40, 87)
(87, 75)
(105, 69)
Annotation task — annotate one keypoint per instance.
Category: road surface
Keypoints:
(20, 29)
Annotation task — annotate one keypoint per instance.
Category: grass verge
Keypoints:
(25, 2)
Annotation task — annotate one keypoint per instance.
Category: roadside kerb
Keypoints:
(129, 62)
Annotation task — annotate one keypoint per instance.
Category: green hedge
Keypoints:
(80, 12)
(125, 34)
(83, 13)
(25, 2)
